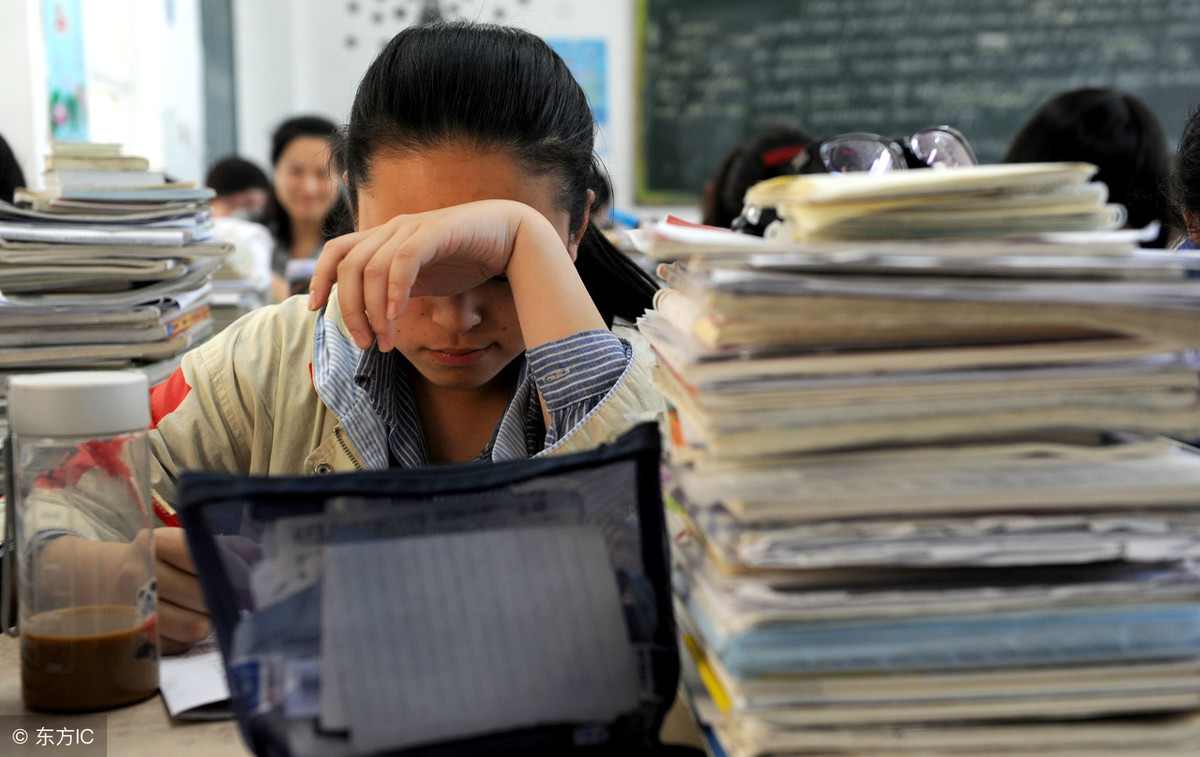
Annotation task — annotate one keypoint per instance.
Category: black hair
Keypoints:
(231, 174)
(1118, 133)
(767, 154)
(11, 176)
(276, 216)
(493, 88)
(1185, 180)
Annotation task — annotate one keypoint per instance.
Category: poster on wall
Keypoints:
(66, 76)
(588, 61)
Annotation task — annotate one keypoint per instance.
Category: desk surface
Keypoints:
(146, 730)
(137, 730)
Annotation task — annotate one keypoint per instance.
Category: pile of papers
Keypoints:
(967, 201)
(243, 282)
(926, 491)
(110, 267)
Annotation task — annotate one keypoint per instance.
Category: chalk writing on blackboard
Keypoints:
(711, 72)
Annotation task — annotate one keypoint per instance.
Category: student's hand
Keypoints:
(102, 572)
(438, 253)
(182, 616)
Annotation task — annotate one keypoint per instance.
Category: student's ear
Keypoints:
(577, 235)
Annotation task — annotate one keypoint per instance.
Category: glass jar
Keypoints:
(86, 595)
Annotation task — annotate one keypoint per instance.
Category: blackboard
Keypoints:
(712, 72)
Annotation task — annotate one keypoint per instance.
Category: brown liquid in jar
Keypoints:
(88, 658)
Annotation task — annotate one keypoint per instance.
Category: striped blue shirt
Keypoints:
(370, 394)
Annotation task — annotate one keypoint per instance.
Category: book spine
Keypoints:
(121, 163)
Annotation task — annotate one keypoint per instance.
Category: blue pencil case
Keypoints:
(480, 609)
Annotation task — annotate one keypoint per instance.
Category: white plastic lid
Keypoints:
(79, 403)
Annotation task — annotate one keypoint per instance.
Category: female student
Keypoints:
(304, 207)
(1185, 180)
(1117, 132)
(474, 271)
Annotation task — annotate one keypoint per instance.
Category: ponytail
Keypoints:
(618, 286)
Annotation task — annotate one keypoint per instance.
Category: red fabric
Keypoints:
(105, 455)
(165, 397)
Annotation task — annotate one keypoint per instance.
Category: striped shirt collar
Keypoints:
(385, 378)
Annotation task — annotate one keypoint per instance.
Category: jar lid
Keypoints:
(79, 403)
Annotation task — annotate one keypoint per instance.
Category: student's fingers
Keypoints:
(401, 278)
(361, 323)
(388, 276)
(374, 292)
(365, 269)
(180, 627)
(170, 547)
(326, 271)
(178, 587)
(182, 616)
(353, 294)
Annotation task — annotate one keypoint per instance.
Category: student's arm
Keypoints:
(574, 374)
(448, 251)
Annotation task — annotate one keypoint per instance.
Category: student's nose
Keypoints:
(459, 313)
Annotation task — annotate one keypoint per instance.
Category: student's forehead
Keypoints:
(412, 182)
(306, 149)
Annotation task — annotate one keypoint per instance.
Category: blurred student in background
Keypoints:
(1120, 135)
(307, 205)
(243, 194)
(11, 176)
(1185, 181)
(763, 156)
(242, 188)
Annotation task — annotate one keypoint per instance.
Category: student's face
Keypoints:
(464, 341)
(304, 183)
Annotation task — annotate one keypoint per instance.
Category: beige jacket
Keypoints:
(250, 406)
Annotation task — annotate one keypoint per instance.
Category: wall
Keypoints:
(183, 95)
(146, 51)
(23, 117)
(308, 55)
(264, 70)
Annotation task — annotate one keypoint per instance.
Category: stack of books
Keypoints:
(927, 489)
(109, 267)
(968, 201)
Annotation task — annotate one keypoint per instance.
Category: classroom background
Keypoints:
(673, 84)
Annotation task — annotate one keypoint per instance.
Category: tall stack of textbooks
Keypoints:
(925, 475)
(108, 267)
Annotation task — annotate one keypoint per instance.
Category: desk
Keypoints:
(146, 730)
(137, 730)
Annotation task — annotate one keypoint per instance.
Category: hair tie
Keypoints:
(780, 155)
